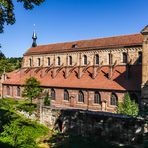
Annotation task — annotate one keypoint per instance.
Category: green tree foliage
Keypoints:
(128, 107)
(7, 10)
(9, 64)
(2, 56)
(22, 133)
(47, 99)
(32, 89)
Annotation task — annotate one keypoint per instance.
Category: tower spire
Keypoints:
(34, 37)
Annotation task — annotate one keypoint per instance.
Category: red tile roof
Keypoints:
(109, 42)
(118, 82)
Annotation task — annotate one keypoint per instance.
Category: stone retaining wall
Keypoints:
(113, 127)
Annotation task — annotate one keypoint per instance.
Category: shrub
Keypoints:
(128, 107)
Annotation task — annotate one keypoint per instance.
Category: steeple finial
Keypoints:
(34, 37)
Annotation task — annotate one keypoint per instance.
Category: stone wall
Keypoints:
(78, 57)
(113, 127)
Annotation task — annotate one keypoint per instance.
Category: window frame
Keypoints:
(97, 97)
(81, 97)
(18, 93)
(66, 95)
(53, 94)
(58, 61)
(113, 102)
(85, 60)
(124, 57)
(70, 60)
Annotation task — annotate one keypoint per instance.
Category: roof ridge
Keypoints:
(74, 41)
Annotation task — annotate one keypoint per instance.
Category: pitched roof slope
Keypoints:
(119, 80)
(109, 42)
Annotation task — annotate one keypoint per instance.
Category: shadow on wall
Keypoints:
(102, 125)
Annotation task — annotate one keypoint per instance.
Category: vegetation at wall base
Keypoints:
(128, 106)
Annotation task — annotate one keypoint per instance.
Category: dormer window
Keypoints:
(74, 46)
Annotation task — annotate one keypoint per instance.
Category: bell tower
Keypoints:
(144, 86)
(34, 37)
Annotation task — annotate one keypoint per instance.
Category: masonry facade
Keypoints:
(88, 74)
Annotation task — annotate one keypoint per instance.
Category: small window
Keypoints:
(53, 94)
(114, 99)
(18, 91)
(85, 59)
(80, 96)
(70, 60)
(97, 59)
(8, 90)
(59, 61)
(66, 95)
(48, 60)
(139, 57)
(39, 62)
(30, 62)
(97, 98)
(110, 58)
(124, 57)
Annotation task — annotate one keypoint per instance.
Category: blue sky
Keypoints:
(69, 20)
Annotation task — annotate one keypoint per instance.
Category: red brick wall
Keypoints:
(73, 99)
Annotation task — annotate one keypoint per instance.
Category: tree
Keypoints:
(128, 107)
(2, 56)
(47, 99)
(32, 89)
(7, 10)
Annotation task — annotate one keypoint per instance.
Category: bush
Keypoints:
(128, 107)
(27, 107)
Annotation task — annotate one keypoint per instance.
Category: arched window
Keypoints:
(39, 62)
(18, 91)
(59, 61)
(124, 55)
(30, 62)
(110, 58)
(48, 61)
(70, 60)
(113, 99)
(53, 94)
(8, 90)
(97, 59)
(66, 95)
(139, 57)
(97, 98)
(80, 96)
(85, 60)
